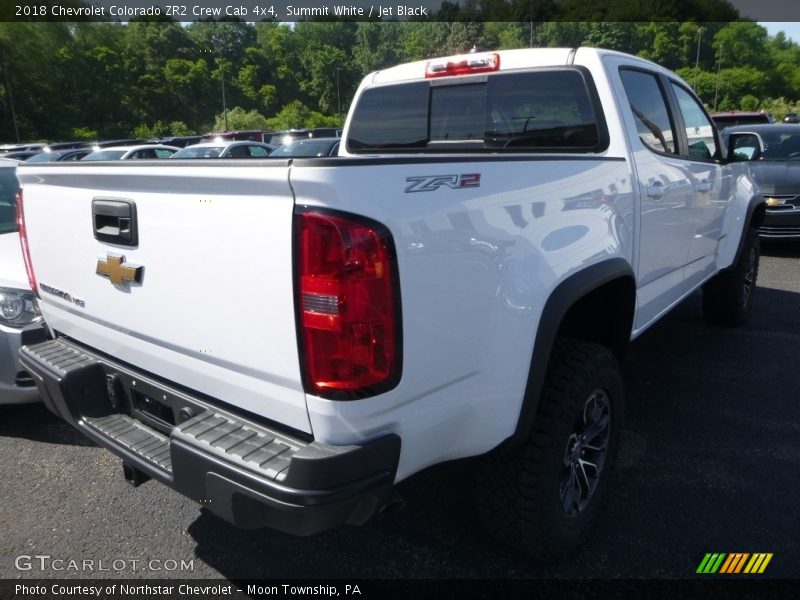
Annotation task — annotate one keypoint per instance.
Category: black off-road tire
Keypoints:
(521, 492)
(728, 296)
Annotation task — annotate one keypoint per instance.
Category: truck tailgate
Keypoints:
(214, 308)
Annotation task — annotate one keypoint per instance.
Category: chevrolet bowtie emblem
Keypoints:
(117, 271)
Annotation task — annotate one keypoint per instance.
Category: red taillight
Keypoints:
(23, 240)
(348, 305)
(465, 64)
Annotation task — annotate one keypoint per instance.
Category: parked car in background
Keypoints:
(6, 148)
(20, 155)
(226, 150)
(180, 141)
(284, 137)
(723, 120)
(143, 152)
(113, 143)
(775, 154)
(791, 118)
(20, 319)
(60, 155)
(308, 148)
(249, 135)
(55, 146)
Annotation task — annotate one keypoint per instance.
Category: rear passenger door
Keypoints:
(666, 190)
(699, 144)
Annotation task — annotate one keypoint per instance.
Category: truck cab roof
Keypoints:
(481, 62)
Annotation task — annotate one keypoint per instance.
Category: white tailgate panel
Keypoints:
(215, 309)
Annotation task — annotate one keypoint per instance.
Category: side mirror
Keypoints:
(744, 146)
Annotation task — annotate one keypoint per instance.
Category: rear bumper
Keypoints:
(249, 473)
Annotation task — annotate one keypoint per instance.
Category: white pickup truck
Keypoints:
(284, 341)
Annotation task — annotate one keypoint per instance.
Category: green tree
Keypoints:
(749, 102)
(230, 37)
(29, 67)
(742, 43)
(83, 133)
(327, 75)
(725, 90)
(558, 34)
(296, 115)
(147, 48)
(738, 82)
(279, 60)
(180, 128)
(614, 36)
(505, 36)
(144, 131)
(430, 39)
(780, 107)
(672, 44)
(325, 59)
(377, 46)
(194, 88)
(239, 118)
(425, 40)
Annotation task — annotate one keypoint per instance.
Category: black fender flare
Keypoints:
(756, 209)
(562, 298)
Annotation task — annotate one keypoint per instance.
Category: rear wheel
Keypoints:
(728, 297)
(543, 497)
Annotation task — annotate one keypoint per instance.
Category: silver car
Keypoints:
(226, 149)
(140, 152)
(20, 319)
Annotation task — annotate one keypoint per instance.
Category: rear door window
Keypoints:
(542, 110)
(649, 107)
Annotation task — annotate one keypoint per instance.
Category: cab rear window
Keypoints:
(543, 110)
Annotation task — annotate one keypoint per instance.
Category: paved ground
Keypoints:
(709, 463)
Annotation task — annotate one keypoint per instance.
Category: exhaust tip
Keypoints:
(394, 506)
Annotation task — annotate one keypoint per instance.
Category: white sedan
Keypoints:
(142, 152)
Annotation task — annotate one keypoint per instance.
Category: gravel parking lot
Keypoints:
(709, 463)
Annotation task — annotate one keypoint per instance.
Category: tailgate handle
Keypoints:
(114, 221)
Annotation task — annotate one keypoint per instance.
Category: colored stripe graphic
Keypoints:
(734, 563)
(755, 562)
(703, 563)
(740, 563)
(742, 560)
(727, 564)
(711, 562)
(764, 564)
(715, 567)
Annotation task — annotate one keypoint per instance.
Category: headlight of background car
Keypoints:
(18, 307)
